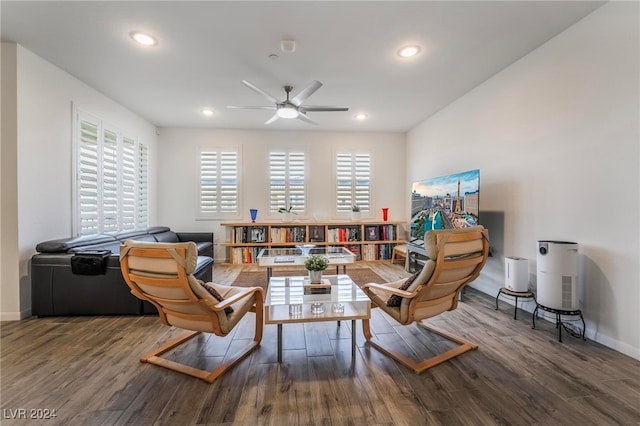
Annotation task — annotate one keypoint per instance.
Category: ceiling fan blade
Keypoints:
(272, 119)
(306, 119)
(306, 92)
(262, 92)
(323, 108)
(250, 107)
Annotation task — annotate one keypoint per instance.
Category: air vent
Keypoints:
(567, 292)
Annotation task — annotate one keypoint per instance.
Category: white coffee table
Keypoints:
(271, 257)
(283, 292)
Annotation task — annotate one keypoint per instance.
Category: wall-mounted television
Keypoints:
(444, 202)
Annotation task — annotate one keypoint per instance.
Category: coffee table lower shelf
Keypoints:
(345, 301)
(306, 316)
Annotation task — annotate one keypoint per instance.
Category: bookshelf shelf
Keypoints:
(369, 241)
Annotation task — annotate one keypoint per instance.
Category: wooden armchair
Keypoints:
(456, 257)
(162, 274)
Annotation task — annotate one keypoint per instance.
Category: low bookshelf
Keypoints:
(369, 241)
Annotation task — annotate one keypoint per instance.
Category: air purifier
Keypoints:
(516, 274)
(558, 275)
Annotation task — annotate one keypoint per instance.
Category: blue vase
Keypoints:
(254, 214)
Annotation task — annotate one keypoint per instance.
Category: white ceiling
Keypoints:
(207, 47)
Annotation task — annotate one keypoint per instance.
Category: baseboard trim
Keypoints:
(15, 316)
(591, 333)
(10, 316)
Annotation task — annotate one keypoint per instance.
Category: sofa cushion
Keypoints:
(157, 229)
(166, 237)
(202, 262)
(114, 247)
(143, 237)
(130, 234)
(205, 249)
(63, 245)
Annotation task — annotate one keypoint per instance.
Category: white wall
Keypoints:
(555, 137)
(9, 296)
(179, 180)
(45, 95)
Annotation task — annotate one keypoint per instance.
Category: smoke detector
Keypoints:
(288, 46)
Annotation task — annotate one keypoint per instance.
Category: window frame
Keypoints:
(219, 215)
(273, 206)
(138, 212)
(353, 191)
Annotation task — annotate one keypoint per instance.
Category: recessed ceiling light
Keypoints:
(361, 116)
(288, 46)
(143, 39)
(409, 51)
(207, 112)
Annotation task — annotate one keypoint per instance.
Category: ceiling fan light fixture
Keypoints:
(409, 51)
(291, 107)
(287, 111)
(143, 39)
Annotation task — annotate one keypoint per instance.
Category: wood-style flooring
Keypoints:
(86, 369)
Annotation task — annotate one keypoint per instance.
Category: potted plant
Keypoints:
(315, 264)
(286, 212)
(355, 212)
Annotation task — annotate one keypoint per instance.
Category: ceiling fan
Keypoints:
(291, 107)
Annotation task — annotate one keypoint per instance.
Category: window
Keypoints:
(353, 181)
(112, 178)
(286, 181)
(218, 182)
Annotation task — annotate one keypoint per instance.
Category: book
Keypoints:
(316, 234)
(371, 233)
(324, 284)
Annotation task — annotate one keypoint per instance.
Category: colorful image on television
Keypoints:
(445, 202)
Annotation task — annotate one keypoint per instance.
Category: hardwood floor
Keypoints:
(87, 370)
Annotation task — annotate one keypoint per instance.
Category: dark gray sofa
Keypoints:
(56, 290)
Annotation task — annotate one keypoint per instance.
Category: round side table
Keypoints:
(516, 294)
(560, 324)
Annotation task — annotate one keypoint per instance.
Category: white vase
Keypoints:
(287, 217)
(315, 277)
(356, 216)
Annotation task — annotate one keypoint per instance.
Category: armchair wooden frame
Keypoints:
(192, 309)
(420, 300)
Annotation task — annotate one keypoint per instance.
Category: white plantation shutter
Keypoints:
(88, 191)
(277, 180)
(287, 181)
(142, 213)
(353, 181)
(218, 182)
(112, 183)
(296, 181)
(228, 182)
(128, 187)
(208, 182)
(362, 169)
(109, 182)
